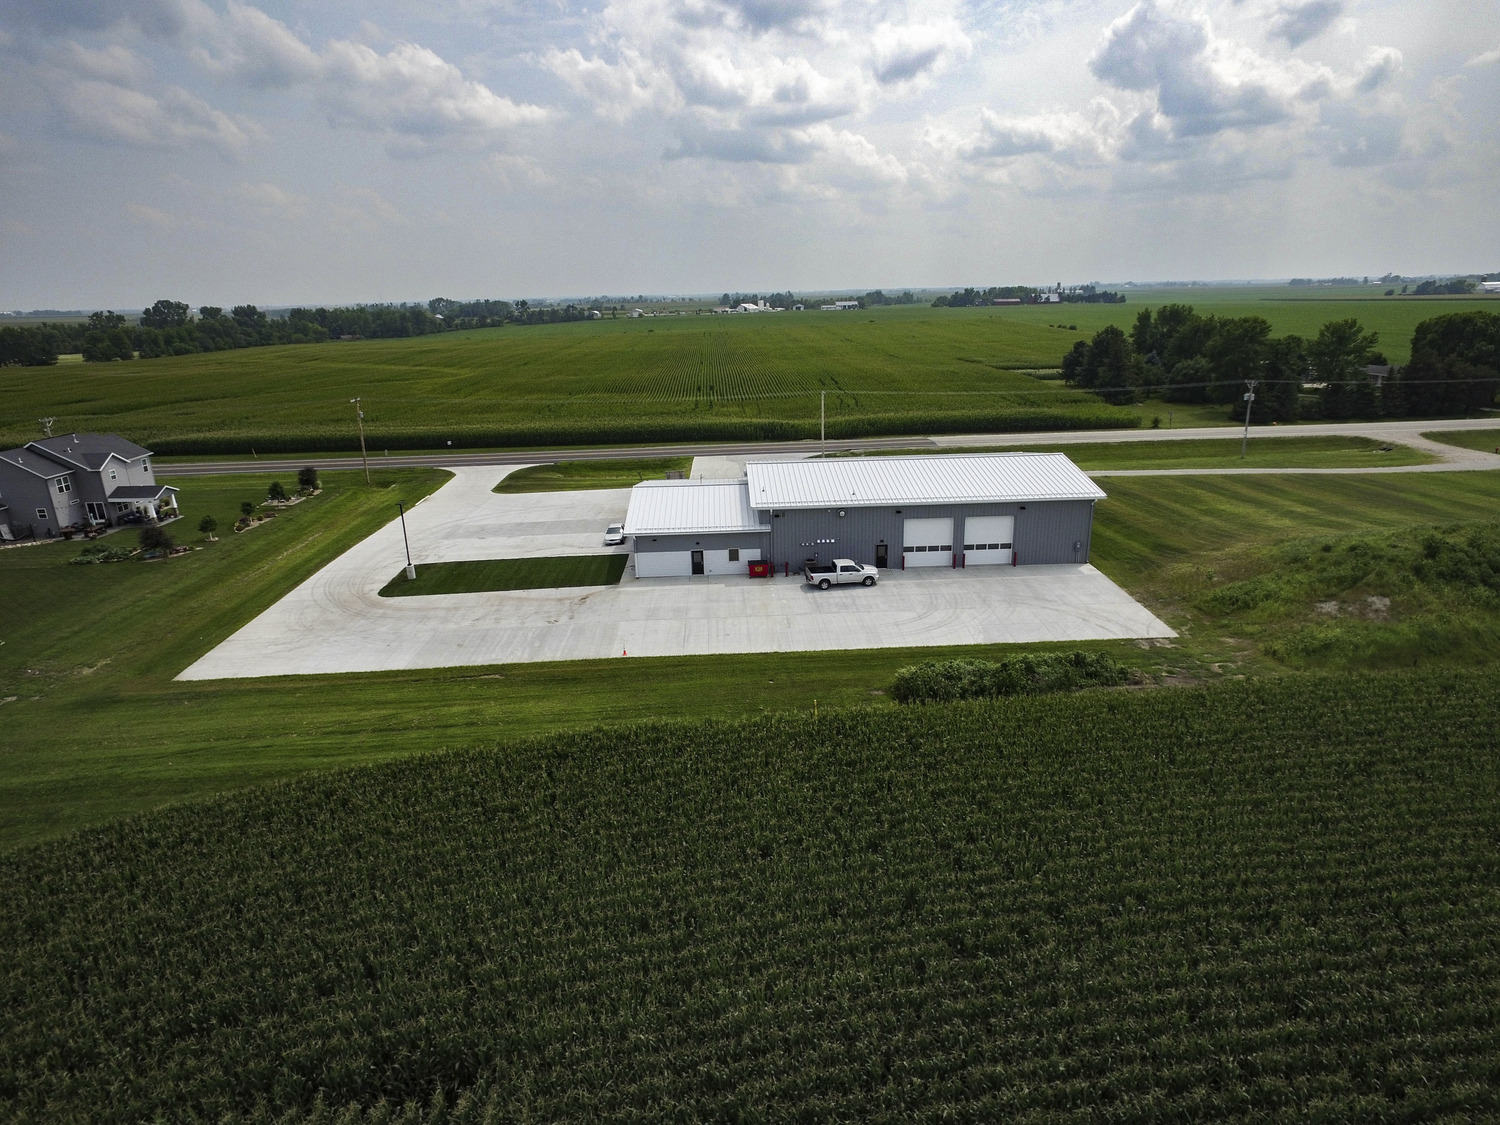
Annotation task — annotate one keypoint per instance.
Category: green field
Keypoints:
(1264, 452)
(569, 476)
(479, 575)
(1272, 900)
(1486, 441)
(95, 726)
(888, 370)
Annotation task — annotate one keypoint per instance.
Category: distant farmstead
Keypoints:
(992, 509)
(77, 482)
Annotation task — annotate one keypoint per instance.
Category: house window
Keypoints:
(113, 475)
(41, 514)
(64, 485)
(734, 554)
(146, 464)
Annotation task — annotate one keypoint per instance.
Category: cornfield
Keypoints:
(1263, 900)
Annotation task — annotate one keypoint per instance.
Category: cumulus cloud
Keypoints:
(1487, 58)
(1297, 23)
(174, 119)
(409, 93)
(1202, 83)
(907, 53)
(1382, 64)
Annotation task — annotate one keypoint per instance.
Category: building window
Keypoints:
(113, 475)
(41, 513)
(146, 464)
(734, 554)
(64, 485)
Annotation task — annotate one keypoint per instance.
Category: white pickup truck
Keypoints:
(840, 572)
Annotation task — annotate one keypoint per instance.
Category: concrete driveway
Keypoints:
(337, 622)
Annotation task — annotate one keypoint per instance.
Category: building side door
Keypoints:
(882, 556)
(927, 542)
(697, 562)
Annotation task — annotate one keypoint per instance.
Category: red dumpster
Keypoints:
(760, 570)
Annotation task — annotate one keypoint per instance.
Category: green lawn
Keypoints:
(1267, 450)
(568, 476)
(890, 370)
(1486, 441)
(479, 575)
(95, 726)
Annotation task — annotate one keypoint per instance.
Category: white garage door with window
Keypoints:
(928, 542)
(987, 540)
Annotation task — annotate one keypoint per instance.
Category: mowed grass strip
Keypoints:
(480, 576)
(1266, 451)
(572, 476)
(1270, 900)
(1486, 441)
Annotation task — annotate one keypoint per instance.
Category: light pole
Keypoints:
(822, 423)
(359, 416)
(411, 570)
(1249, 402)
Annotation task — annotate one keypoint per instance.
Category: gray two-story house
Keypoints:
(79, 481)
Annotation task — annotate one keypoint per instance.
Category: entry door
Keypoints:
(882, 556)
(697, 562)
(987, 540)
(928, 542)
(96, 512)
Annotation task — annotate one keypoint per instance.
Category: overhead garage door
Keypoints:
(987, 539)
(928, 542)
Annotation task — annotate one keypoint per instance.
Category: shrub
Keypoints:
(940, 681)
(208, 525)
(247, 508)
(155, 538)
(99, 553)
(275, 492)
(307, 478)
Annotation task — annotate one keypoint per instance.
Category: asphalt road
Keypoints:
(1404, 432)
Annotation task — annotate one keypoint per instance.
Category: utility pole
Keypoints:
(359, 416)
(46, 426)
(822, 423)
(411, 571)
(1249, 402)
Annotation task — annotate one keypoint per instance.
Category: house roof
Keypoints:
(88, 451)
(139, 492)
(942, 479)
(679, 507)
(28, 460)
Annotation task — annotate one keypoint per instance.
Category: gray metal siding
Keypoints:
(1045, 531)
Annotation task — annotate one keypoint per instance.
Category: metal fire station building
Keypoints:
(956, 510)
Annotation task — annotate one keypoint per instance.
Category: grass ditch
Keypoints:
(1265, 452)
(484, 575)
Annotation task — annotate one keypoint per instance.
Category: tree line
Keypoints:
(1183, 356)
(173, 328)
(1028, 295)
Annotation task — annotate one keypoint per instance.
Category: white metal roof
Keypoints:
(942, 479)
(680, 507)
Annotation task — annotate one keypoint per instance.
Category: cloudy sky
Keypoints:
(284, 151)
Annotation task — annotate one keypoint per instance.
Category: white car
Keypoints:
(614, 535)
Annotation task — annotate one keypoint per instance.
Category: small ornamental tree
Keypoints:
(307, 478)
(208, 525)
(275, 492)
(155, 538)
(247, 508)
